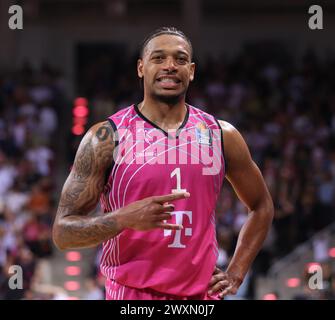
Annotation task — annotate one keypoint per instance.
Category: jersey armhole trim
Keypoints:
(116, 143)
(222, 146)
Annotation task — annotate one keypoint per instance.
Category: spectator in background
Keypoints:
(8, 173)
(48, 121)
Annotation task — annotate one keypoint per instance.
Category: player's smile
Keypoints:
(168, 82)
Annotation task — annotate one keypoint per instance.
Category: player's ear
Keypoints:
(192, 69)
(140, 68)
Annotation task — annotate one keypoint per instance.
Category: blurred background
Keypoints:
(259, 67)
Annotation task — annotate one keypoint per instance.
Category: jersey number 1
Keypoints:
(176, 172)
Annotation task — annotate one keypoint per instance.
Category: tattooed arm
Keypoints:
(74, 226)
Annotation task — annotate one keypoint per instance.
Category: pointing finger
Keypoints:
(171, 197)
(169, 226)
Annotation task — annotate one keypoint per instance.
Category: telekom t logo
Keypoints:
(179, 220)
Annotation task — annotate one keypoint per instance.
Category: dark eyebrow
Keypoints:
(183, 52)
(156, 51)
(179, 52)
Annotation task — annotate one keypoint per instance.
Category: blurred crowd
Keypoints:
(284, 107)
(28, 131)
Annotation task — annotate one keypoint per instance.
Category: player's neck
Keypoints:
(166, 116)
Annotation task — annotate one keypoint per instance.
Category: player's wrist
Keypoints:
(236, 274)
(119, 220)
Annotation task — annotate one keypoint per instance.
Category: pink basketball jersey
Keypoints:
(147, 162)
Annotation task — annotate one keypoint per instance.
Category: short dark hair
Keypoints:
(165, 30)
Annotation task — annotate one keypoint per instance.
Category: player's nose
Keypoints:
(170, 64)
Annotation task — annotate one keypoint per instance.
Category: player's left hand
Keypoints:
(224, 282)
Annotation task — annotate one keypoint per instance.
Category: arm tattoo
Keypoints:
(81, 171)
(74, 227)
(105, 132)
(84, 163)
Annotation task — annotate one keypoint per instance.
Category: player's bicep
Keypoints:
(243, 174)
(80, 195)
(249, 185)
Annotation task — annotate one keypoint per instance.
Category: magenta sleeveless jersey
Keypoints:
(147, 162)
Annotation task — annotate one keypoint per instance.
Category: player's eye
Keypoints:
(181, 60)
(157, 59)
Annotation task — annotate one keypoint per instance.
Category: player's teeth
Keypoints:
(167, 80)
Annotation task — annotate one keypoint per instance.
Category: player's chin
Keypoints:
(170, 97)
(168, 94)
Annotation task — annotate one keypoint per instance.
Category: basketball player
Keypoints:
(157, 168)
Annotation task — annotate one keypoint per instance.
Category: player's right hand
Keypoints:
(150, 213)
